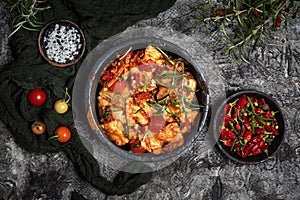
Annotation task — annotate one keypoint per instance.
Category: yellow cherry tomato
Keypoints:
(61, 106)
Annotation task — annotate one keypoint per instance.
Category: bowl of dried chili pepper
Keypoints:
(249, 127)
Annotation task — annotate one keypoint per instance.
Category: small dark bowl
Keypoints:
(272, 149)
(48, 28)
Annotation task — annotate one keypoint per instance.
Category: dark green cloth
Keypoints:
(98, 19)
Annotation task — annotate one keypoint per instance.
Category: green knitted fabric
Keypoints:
(98, 20)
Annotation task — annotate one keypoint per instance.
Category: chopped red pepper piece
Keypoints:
(142, 96)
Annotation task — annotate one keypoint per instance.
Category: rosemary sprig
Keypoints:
(172, 86)
(176, 75)
(125, 54)
(166, 56)
(242, 25)
(24, 14)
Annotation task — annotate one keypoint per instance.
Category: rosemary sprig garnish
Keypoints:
(145, 84)
(138, 110)
(117, 110)
(172, 86)
(126, 130)
(122, 98)
(107, 96)
(168, 75)
(165, 104)
(243, 24)
(24, 14)
(166, 56)
(190, 89)
(126, 53)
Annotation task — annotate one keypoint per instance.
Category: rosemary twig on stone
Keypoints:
(243, 24)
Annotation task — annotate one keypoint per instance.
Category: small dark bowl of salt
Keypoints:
(61, 43)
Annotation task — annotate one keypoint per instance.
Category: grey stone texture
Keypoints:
(202, 172)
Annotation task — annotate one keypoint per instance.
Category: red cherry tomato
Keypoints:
(156, 124)
(62, 134)
(118, 86)
(38, 128)
(36, 97)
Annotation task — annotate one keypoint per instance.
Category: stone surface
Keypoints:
(201, 173)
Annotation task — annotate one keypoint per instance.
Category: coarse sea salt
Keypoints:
(62, 43)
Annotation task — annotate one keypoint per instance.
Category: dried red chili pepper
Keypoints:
(247, 136)
(256, 139)
(271, 129)
(238, 149)
(277, 22)
(259, 131)
(227, 134)
(235, 113)
(262, 145)
(258, 14)
(228, 142)
(242, 102)
(246, 151)
(256, 151)
(247, 123)
(255, 147)
(231, 134)
(254, 101)
(227, 108)
(223, 134)
(220, 12)
(238, 127)
(268, 114)
(226, 121)
(258, 110)
(261, 101)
